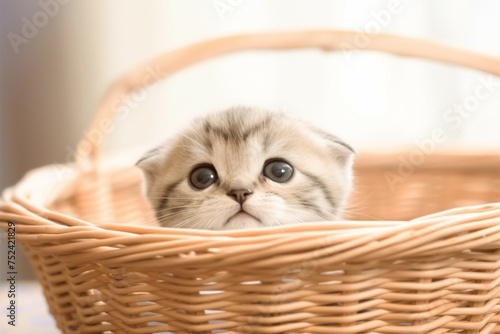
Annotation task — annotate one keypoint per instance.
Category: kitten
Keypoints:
(246, 168)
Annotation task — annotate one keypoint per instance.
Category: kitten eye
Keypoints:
(278, 171)
(203, 176)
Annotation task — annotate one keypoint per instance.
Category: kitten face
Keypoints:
(246, 168)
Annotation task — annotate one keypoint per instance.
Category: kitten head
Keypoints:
(246, 168)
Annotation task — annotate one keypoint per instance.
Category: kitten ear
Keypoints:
(148, 155)
(342, 151)
(150, 162)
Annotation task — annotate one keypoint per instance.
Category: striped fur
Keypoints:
(238, 142)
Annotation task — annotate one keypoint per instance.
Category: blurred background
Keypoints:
(59, 56)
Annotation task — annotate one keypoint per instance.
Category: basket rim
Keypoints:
(132, 246)
(39, 187)
(25, 200)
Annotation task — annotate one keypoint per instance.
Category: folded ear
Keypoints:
(149, 154)
(150, 163)
(341, 151)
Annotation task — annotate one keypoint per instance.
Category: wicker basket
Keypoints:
(103, 274)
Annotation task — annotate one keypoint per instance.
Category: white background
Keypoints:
(374, 101)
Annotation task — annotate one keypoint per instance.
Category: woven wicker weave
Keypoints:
(103, 274)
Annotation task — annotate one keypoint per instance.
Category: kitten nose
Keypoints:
(239, 194)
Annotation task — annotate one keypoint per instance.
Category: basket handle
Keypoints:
(328, 40)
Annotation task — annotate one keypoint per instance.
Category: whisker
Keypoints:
(362, 215)
(318, 217)
(185, 222)
(180, 207)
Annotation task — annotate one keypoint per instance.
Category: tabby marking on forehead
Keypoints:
(248, 168)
